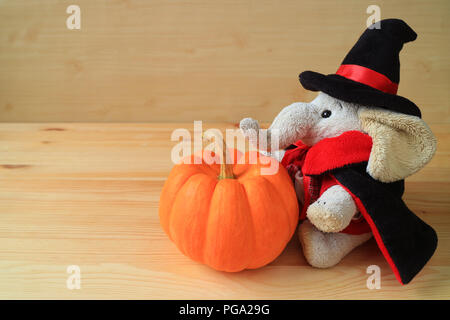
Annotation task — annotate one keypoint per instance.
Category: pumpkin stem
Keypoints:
(226, 169)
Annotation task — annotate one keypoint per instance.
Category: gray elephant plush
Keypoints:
(348, 152)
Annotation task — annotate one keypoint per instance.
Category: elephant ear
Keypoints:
(402, 144)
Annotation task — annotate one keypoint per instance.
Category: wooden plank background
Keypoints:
(87, 194)
(180, 60)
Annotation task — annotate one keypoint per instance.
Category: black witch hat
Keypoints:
(370, 73)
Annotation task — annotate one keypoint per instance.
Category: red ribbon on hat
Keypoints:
(368, 77)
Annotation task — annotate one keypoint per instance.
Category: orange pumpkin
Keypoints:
(229, 216)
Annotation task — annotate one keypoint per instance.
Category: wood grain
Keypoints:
(185, 60)
(87, 195)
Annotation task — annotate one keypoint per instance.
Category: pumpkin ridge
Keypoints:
(182, 244)
(203, 258)
(285, 208)
(252, 225)
(209, 169)
(164, 191)
(176, 194)
(220, 220)
(268, 190)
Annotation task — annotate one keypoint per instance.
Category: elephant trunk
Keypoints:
(292, 124)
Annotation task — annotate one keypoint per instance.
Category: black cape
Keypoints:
(406, 241)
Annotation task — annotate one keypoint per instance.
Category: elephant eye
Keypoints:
(326, 114)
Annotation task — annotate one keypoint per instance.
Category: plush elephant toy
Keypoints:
(348, 152)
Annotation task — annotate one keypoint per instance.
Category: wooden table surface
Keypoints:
(87, 195)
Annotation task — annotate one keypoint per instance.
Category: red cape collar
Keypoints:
(351, 147)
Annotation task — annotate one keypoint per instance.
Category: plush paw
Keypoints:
(324, 250)
(333, 211)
